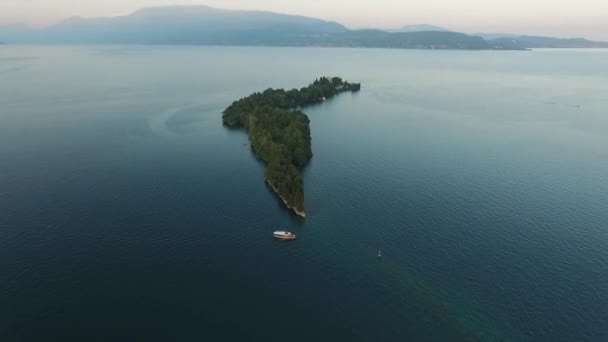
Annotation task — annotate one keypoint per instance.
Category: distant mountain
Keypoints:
(405, 40)
(491, 36)
(19, 32)
(529, 42)
(419, 28)
(179, 25)
(202, 25)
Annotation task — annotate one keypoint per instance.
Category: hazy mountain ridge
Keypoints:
(530, 42)
(419, 28)
(492, 35)
(407, 40)
(513, 41)
(203, 25)
(176, 25)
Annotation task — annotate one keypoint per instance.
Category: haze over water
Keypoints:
(130, 213)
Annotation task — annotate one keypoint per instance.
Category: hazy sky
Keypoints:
(566, 18)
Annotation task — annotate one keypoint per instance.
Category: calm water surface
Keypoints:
(129, 213)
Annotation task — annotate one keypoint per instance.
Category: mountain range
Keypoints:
(530, 42)
(202, 25)
(513, 41)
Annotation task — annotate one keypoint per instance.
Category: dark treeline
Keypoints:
(280, 133)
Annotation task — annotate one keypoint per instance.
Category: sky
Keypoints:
(563, 18)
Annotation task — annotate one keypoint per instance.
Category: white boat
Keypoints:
(284, 235)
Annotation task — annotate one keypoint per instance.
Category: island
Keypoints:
(279, 132)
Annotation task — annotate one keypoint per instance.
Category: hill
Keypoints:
(529, 42)
(405, 40)
(178, 25)
(202, 25)
(492, 36)
(418, 28)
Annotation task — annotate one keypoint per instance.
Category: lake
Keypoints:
(129, 213)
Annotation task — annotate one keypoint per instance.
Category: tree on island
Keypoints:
(279, 132)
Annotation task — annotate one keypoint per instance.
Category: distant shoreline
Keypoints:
(264, 46)
(289, 46)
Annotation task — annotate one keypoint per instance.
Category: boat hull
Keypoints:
(284, 236)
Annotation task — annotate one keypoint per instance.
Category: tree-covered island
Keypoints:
(279, 132)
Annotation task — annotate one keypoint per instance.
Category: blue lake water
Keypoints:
(127, 212)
